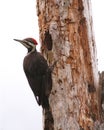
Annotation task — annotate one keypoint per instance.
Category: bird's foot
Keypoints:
(53, 66)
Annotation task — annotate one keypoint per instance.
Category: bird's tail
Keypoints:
(45, 102)
(45, 91)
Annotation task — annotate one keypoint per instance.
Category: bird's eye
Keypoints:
(30, 43)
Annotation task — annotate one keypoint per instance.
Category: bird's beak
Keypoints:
(23, 42)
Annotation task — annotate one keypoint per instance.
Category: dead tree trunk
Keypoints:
(66, 34)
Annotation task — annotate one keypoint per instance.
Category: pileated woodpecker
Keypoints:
(37, 71)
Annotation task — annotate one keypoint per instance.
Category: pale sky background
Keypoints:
(18, 108)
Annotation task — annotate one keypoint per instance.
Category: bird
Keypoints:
(37, 71)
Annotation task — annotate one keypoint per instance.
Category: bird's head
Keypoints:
(29, 43)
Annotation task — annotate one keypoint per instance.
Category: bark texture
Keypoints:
(66, 34)
(101, 93)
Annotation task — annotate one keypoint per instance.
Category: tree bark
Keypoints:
(66, 34)
(101, 93)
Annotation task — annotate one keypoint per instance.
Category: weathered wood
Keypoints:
(74, 98)
(101, 95)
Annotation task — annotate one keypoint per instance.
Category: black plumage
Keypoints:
(38, 72)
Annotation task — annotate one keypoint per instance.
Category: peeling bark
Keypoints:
(74, 96)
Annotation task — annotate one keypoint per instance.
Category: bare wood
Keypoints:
(73, 99)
